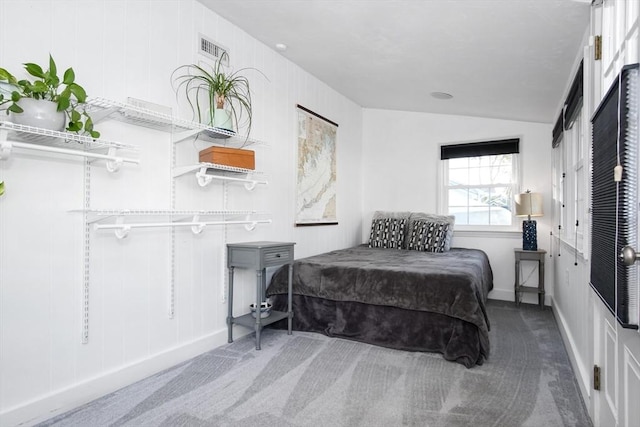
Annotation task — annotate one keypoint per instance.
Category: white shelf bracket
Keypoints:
(203, 178)
(199, 227)
(113, 165)
(250, 185)
(5, 150)
(250, 225)
(123, 231)
(181, 136)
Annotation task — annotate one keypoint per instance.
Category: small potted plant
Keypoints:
(217, 98)
(222, 100)
(47, 101)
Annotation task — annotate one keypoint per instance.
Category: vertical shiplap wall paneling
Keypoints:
(30, 269)
(123, 49)
(4, 293)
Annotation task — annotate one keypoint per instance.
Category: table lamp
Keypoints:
(530, 205)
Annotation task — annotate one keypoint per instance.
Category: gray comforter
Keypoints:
(453, 284)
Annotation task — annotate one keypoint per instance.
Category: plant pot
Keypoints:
(40, 113)
(222, 119)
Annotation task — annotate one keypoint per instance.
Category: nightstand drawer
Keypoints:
(258, 255)
(277, 256)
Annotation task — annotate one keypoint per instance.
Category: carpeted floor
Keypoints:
(309, 379)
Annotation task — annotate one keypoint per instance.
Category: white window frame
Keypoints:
(443, 199)
(572, 186)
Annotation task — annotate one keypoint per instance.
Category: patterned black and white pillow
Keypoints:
(428, 236)
(387, 233)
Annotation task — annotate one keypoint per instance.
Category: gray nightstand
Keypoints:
(522, 255)
(258, 256)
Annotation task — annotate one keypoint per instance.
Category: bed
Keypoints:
(409, 299)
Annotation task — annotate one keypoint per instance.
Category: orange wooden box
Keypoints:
(235, 157)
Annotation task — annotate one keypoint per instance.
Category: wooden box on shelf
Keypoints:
(235, 157)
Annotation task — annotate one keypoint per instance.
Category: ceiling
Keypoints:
(506, 59)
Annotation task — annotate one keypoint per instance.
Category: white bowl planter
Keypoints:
(40, 113)
(265, 310)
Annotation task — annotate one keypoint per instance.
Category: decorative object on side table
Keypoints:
(265, 309)
(47, 102)
(529, 205)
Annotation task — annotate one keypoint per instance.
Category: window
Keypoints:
(480, 180)
(570, 171)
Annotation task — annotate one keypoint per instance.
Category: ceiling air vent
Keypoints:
(213, 50)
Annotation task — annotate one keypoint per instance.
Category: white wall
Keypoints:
(122, 49)
(401, 156)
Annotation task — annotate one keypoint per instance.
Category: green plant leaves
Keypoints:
(34, 69)
(88, 127)
(7, 76)
(15, 108)
(69, 77)
(47, 85)
(39, 86)
(78, 92)
(53, 70)
(1, 188)
(75, 116)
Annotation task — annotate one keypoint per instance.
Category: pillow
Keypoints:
(387, 233)
(391, 214)
(428, 236)
(440, 219)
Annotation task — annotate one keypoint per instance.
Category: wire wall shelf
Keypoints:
(136, 112)
(13, 135)
(36, 135)
(207, 172)
(177, 218)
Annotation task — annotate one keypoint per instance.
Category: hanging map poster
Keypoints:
(316, 184)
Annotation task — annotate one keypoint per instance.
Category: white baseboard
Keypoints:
(509, 295)
(62, 400)
(501, 295)
(583, 374)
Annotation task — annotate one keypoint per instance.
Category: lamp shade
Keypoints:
(529, 204)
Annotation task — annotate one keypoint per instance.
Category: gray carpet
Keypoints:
(308, 379)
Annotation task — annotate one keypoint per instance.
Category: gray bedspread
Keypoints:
(454, 283)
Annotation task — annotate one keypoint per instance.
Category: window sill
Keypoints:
(570, 248)
(496, 234)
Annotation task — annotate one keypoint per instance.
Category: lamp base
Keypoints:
(529, 235)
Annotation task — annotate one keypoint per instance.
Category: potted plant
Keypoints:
(45, 96)
(218, 98)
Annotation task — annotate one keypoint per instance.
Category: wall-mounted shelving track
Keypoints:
(140, 113)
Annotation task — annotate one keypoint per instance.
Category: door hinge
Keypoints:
(597, 48)
(596, 377)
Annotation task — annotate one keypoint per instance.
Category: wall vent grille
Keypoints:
(211, 49)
